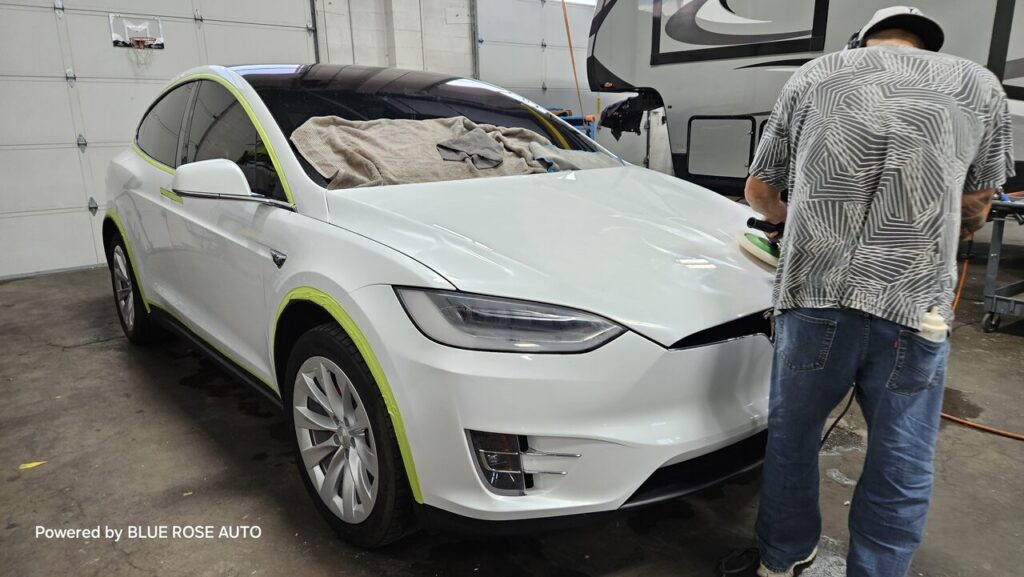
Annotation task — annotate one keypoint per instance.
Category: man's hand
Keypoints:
(974, 209)
(763, 198)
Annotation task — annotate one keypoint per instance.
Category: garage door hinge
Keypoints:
(543, 86)
(58, 5)
(93, 207)
(543, 44)
(82, 143)
(197, 16)
(69, 75)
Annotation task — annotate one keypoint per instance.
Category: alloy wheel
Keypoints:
(124, 292)
(335, 439)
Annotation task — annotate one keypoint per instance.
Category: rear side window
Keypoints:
(160, 128)
(221, 128)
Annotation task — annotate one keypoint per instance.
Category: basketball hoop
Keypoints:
(140, 35)
(140, 42)
(141, 46)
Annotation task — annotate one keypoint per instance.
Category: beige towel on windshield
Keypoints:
(352, 153)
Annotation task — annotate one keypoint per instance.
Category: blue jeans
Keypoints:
(819, 355)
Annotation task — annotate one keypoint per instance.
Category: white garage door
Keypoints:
(523, 47)
(49, 179)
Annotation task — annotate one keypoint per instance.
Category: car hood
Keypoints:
(654, 253)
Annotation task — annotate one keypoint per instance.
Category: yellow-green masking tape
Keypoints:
(112, 215)
(326, 302)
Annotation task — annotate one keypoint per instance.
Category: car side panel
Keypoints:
(133, 189)
(221, 257)
(334, 261)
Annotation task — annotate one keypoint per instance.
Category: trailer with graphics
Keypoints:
(717, 67)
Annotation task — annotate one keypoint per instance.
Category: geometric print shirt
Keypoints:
(876, 147)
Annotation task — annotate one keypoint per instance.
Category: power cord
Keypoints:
(956, 303)
(846, 409)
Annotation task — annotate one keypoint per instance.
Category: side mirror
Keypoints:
(218, 176)
(219, 179)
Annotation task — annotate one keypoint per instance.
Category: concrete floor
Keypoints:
(159, 436)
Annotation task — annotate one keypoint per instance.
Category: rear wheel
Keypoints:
(131, 310)
(343, 440)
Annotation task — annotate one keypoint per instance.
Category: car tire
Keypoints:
(136, 322)
(343, 440)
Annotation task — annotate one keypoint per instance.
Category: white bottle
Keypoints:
(934, 327)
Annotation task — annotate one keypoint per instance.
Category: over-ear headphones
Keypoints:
(854, 42)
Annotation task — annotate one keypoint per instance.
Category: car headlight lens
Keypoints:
(487, 323)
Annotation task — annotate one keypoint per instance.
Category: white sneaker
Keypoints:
(763, 571)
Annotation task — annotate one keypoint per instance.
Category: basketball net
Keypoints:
(141, 51)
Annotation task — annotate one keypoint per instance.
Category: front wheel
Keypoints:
(131, 310)
(344, 441)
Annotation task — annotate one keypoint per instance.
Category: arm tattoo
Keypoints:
(974, 211)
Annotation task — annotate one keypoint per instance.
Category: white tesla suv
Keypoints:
(487, 351)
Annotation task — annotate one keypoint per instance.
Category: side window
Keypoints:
(220, 128)
(159, 130)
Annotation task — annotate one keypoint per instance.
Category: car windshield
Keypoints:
(360, 93)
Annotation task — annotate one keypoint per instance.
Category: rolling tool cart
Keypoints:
(1007, 299)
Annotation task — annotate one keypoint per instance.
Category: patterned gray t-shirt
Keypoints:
(876, 147)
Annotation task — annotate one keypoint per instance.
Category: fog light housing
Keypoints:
(499, 461)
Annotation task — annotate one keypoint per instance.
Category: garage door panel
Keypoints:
(181, 8)
(111, 110)
(96, 57)
(231, 44)
(96, 223)
(558, 68)
(48, 241)
(98, 158)
(511, 65)
(40, 179)
(258, 11)
(495, 25)
(554, 23)
(34, 32)
(36, 3)
(35, 111)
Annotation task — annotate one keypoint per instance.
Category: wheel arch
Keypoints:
(112, 226)
(303, 308)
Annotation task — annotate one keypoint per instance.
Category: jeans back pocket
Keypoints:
(804, 341)
(917, 363)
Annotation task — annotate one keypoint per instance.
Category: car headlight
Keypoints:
(487, 323)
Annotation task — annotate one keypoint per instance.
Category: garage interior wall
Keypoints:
(61, 78)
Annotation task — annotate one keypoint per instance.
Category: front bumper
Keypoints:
(738, 462)
(631, 409)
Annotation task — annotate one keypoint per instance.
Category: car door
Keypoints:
(157, 141)
(220, 246)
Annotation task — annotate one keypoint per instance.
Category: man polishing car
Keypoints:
(888, 150)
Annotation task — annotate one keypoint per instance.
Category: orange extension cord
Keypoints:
(965, 422)
(572, 58)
